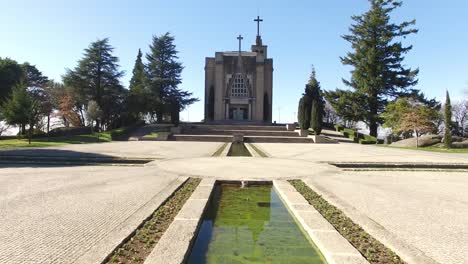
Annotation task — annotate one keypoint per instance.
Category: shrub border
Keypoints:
(373, 250)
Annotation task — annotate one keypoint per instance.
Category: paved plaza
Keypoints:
(74, 214)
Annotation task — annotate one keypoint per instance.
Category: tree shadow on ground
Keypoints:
(59, 158)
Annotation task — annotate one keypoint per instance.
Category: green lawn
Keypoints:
(433, 149)
(55, 141)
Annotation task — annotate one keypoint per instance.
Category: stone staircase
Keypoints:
(225, 133)
(251, 133)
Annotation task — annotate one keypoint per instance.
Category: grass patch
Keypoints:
(432, 149)
(50, 141)
(55, 141)
(220, 150)
(370, 248)
(140, 245)
(259, 151)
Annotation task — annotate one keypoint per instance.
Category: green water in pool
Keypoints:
(238, 149)
(250, 225)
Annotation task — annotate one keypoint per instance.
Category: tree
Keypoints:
(68, 111)
(96, 77)
(137, 96)
(164, 70)
(407, 115)
(377, 60)
(460, 113)
(317, 104)
(316, 122)
(20, 109)
(448, 121)
(36, 84)
(93, 113)
(10, 75)
(346, 104)
(331, 116)
(302, 113)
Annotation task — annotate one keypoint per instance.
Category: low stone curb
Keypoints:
(99, 252)
(406, 252)
(226, 150)
(175, 243)
(334, 247)
(252, 151)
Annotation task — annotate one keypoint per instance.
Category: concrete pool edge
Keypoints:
(334, 247)
(176, 242)
(101, 251)
(405, 251)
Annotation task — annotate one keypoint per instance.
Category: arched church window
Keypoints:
(239, 86)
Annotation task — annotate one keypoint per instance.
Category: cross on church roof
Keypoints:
(240, 38)
(258, 20)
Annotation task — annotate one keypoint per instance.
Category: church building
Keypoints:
(238, 84)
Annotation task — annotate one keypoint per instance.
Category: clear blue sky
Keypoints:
(52, 35)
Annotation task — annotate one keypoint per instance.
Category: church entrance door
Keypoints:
(239, 113)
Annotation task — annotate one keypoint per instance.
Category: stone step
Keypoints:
(265, 139)
(236, 127)
(242, 132)
(252, 139)
(202, 138)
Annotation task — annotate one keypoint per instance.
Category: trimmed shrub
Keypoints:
(367, 142)
(69, 131)
(338, 128)
(124, 132)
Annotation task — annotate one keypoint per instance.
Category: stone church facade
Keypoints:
(239, 84)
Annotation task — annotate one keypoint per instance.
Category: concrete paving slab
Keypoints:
(422, 216)
(192, 210)
(314, 221)
(202, 192)
(57, 215)
(331, 243)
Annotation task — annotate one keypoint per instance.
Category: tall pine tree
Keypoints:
(164, 72)
(96, 77)
(137, 94)
(377, 59)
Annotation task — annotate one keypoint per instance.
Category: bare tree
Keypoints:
(460, 113)
(331, 116)
(4, 127)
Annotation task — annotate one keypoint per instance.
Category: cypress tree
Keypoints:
(303, 113)
(317, 104)
(448, 122)
(377, 59)
(137, 95)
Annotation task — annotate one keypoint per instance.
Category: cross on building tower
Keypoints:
(259, 38)
(258, 20)
(240, 38)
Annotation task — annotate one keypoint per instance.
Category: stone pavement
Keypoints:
(55, 215)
